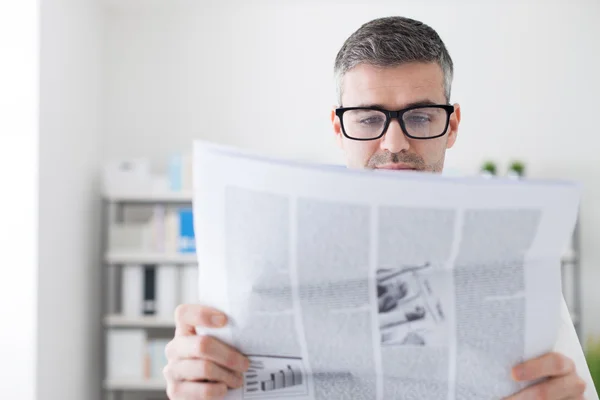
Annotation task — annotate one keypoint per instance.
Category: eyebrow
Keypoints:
(420, 103)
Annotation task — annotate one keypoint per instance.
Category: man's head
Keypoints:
(388, 65)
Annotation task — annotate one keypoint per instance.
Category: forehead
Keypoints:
(393, 87)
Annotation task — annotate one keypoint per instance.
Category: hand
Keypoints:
(201, 367)
(561, 383)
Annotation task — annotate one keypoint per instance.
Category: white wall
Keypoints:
(258, 75)
(69, 301)
(19, 96)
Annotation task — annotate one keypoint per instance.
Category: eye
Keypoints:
(418, 119)
(371, 120)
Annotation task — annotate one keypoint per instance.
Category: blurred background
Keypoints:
(126, 85)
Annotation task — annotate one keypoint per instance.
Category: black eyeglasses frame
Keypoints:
(389, 114)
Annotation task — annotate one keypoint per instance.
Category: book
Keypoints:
(125, 354)
(187, 240)
(189, 284)
(157, 357)
(132, 290)
(167, 283)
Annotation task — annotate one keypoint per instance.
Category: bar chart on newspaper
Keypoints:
(276, 377)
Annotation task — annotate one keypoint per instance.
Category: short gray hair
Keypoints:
(389, 42)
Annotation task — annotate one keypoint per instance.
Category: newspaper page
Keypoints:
(361, 284)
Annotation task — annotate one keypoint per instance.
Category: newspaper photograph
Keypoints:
(360, 284)
(410, 311)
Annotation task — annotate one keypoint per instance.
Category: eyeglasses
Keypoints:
(417, 122)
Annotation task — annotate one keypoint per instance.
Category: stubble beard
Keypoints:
(411, 159)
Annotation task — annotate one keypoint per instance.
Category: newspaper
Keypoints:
(361, 284)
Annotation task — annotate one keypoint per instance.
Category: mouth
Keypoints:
(396, 167)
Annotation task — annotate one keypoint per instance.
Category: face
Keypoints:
(395, 88)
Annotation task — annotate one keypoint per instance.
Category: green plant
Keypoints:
(518, 168)
(489, 166)
(592, 356)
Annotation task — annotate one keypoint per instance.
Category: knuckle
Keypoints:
(568, 365)
(180, 312)
(167, 372)
(173, 349)
(561, 363)
(212, 392)
(205, 369)
(203, 344)
(173, 390)
(557, 362)
(171, 373)
(205, 392)
(540, 392)
(169, 350)
(233, 359)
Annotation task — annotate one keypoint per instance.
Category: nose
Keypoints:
(394, 139)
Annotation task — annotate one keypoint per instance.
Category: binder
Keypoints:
(167, 282)
(125, 353)
(189, 284)
(132, 290)
(149, 290)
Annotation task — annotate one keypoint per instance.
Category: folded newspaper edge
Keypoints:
(343, 283)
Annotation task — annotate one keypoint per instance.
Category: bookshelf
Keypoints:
(144, 257)
(117, 209)
(120, 321)
(149, 197)
(134, 385)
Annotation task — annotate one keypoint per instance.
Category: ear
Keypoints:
(337, 128)
(453, 126)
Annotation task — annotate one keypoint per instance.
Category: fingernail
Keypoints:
(519, 373)
(244, 364)
(239, 381)
(218, 320)
(222, 390)
(566, 367)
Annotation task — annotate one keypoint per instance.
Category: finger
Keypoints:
(548, 365)
(182, 390)
(188, 316)
(197, 370)
(208, 348)
(566, 387)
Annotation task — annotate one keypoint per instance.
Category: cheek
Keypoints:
(358, 153)
(429, 150)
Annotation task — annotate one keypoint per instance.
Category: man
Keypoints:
(394, 79)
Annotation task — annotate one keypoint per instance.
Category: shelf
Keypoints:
(144, 257)
(135, 384)
(121, 321)
(137, 5)
(150, 197)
